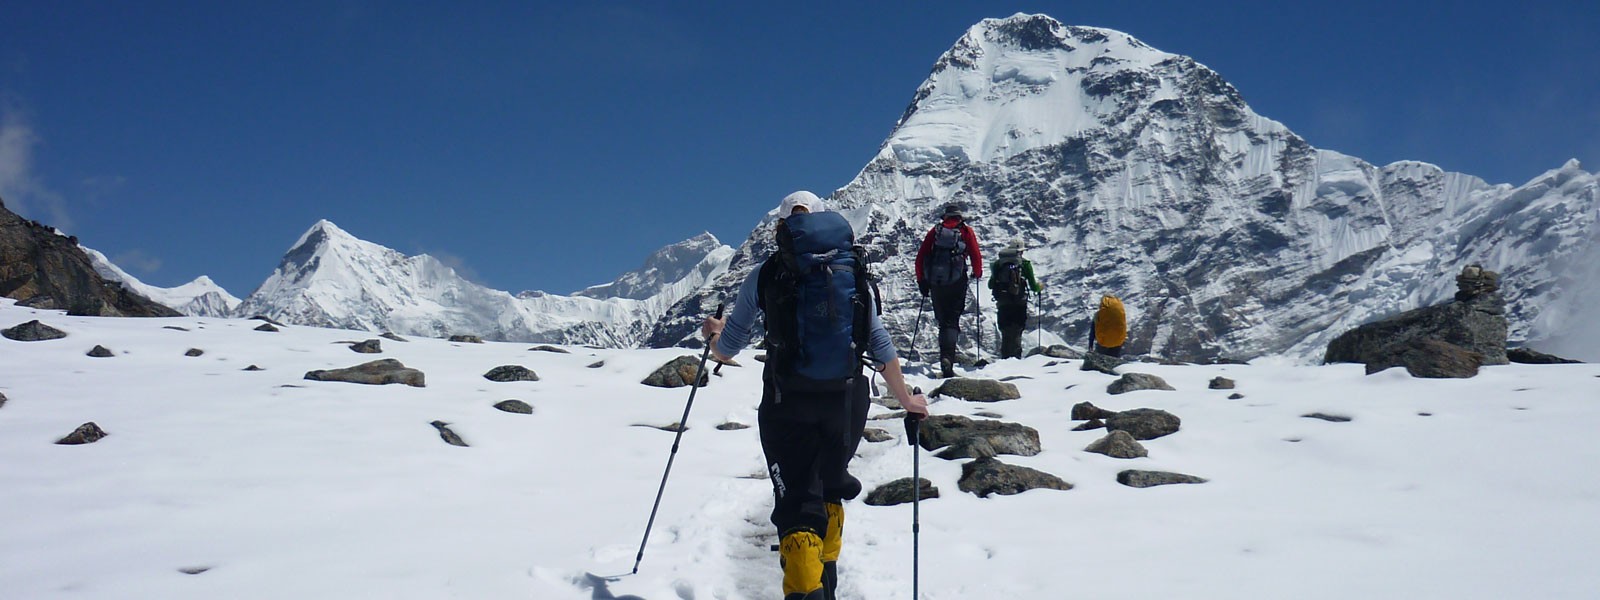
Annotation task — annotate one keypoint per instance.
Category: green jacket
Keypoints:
(1027, 274)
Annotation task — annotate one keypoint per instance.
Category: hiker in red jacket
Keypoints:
(948, 253)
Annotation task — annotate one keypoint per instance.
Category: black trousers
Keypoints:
(949, 301)
(809, 439)
(1013, 320)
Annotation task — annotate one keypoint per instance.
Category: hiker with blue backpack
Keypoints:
(822, 324)
(1010, 280)
(948, 253)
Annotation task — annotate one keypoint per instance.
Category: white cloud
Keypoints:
(19, 186)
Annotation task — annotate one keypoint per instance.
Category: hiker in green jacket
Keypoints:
(1010, 280)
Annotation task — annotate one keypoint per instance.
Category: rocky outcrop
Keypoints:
(976, 390)
(378, 372)
(33, 331)
(987, 476)
(1529, 356)
(967, 438)
(1475, 321)
(900, 491)
(41, 268)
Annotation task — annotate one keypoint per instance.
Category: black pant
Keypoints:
(809, 439)
(1013, 320)
(949, 301)
(1114, 351)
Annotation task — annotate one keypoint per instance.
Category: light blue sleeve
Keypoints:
(881, 346)
(740, 327)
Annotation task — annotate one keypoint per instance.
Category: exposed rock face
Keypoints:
(87, 433)
(447, 435)
(367, 347)
(514, 406)
(378, 372)
(33, 331)
(1144, 479)
(977, 390)
(987, 476)
(1475, 321)
(44, 269)
(678, 373)
(899, 491)
(1144, 423)
(509, 373)
(1132, 382)
(1118, 444)
(967, 438)
(1427, 358)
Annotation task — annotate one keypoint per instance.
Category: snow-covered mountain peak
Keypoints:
(671, 264)
(201, 297)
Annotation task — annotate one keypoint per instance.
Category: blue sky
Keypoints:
(554, 145)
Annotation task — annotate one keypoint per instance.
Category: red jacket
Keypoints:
(975, 255)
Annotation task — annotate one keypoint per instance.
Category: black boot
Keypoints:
(946, 369)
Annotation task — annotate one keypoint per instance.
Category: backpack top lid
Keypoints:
(816, 234)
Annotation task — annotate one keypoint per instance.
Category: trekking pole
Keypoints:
(923, 303)
(1038, 319)
(914, 430)
(979, 295)
(683, 423)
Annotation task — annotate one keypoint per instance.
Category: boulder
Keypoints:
(194, 352)
(1089, 425)
(1056, 351)
(1427, 358)
(100, 352)
(1529, 356)
(899, 491)
(1132, 382)
(466, 339)
(549, 348)
(267, 327)
(976, 390)
(378, 372)
(1235, 396)
(1086, 410)
(1475, 321)
(1221, 383)
(1144, 479)
(509, 373)
(447, 435)
(389, 335)
(875, 435)
(987, 476)
(87, 433)
(1095, 361)
(732, 426)
(1118, 444)
(367, 347)
(678, 372)
(514, 406)
(968, 438)
(33, 331)
(1144, 423)
(597, 364)
(253, 368)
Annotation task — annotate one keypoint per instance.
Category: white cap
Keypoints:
(1015, 245)
(801, 198)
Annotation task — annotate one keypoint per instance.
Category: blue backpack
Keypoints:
(815, 294)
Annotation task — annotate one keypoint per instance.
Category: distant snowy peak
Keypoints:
(1028, 81)
(667, 266)
(200, 298)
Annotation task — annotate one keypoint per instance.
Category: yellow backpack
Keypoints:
(1110, 323)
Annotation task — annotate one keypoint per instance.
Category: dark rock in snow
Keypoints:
(388, 335)
(976, 390)
(1327, 417)
(1428, 358)
(193, 570)
(378, 372)
(1221, 383)
(1235, 396)
(1529, 356)
(33, 331)
(367, 347)
(1090, 424)
(1144, 479)
(87, 433)
(597, 364)
(265, 318)
(1056, 351)
(549, 348)
(1118, 444)
(1085, 410)
(988, 415)
(899, 491)
(1095, 361)
(673, 427)
(253, 368)
(1475, 322)
(100, 352)
(678, 373)
(447, 435)
(874, 435)
(267, 327)
(1132, 382)
(509, 373)
(2, 400)
(174, 328)
(732, 426)
(968, 438)
(194, 352)
(987, 476)
(514, 406)
(466, 339)
(1144, 423)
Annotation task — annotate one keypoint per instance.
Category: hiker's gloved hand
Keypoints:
(922, 286)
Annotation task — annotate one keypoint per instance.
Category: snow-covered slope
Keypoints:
(270, 486)
(330, 278)
(674, 271)
(201, 297)
(1144, 174)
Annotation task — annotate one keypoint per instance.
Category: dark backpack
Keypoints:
(815, 295)
(1007, 281)
(947, 260)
